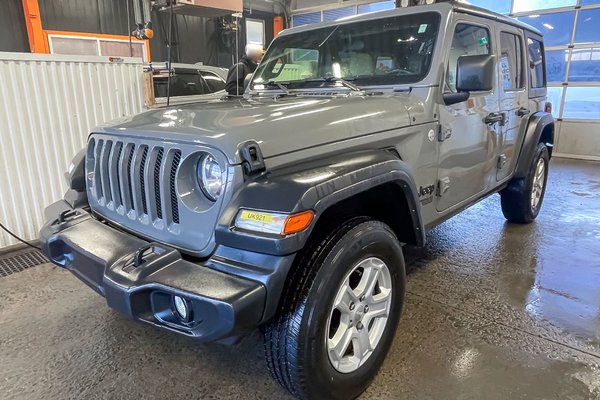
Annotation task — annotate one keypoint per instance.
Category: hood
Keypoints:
(279, 126)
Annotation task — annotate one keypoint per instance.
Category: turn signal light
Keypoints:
(297, 222)
(273, 223)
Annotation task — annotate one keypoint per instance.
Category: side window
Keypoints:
(511, 61)
(183, 83)
(468, 40)
(214, 82)
(537, 63)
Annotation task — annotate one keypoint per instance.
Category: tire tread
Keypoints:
(281, 336)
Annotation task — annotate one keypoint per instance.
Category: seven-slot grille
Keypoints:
(136, 180)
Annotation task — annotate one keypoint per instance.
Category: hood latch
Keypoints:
(252, 158)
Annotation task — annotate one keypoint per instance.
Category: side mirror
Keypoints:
(455, 98)
(475, 73)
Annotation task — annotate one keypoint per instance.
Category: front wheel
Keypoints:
(522, 199)
(339, 313)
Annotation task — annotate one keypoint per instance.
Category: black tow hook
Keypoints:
(138, 257)
(67, 215)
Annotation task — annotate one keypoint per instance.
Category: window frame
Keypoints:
(523, 82)
(540, 91)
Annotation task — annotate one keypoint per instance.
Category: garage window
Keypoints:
(255, 31)
(585, 65)
(88, 44)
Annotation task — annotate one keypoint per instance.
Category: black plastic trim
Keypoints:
(315, 185)
(537, 122)
(227, 292)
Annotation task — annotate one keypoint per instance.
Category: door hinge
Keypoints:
(502, 161)
(444, 133)
(443, 186)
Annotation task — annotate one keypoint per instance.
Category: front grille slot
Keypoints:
(138, 181)
(115, 174)
(157, 175)
(130, 204)
(172, 188)
(142, 176)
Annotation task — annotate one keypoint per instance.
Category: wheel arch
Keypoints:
(540, 129)
(391, 202)
(330, 187)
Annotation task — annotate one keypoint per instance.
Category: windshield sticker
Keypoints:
(422, 28)
(483, 41)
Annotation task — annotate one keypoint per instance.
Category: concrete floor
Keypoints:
(493, 311)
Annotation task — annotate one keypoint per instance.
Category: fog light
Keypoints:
(181, 306)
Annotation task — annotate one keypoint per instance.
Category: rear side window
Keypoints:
(183, 83)
(537, 63)
(214, 82)
(511, 61)
(468, 40)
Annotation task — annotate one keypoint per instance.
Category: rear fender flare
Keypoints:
(533, 135)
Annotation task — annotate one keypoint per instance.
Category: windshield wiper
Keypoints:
(344, 82)
(280, 86)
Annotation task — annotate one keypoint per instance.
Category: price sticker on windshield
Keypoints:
(422, 28)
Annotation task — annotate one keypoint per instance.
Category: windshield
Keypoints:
(386, 51)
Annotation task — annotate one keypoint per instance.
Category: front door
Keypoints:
(467, 143)
(513, 96)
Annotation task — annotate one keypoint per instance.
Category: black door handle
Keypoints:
(521, 112)
(492, 118)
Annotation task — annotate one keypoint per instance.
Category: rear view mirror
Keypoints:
(475, 73)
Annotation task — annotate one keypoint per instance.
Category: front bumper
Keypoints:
(222, 305)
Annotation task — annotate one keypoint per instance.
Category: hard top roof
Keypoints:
(444, 7)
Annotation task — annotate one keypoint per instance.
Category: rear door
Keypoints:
(513, 97)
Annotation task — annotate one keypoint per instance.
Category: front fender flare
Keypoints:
(315, 185)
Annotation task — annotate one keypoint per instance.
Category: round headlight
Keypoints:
(210, 177)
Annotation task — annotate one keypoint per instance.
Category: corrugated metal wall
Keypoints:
(48, 106)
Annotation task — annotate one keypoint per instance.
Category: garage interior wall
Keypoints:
(66, 96)
(13, 32)
(196, 39)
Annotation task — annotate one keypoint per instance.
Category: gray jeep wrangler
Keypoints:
(287, 208)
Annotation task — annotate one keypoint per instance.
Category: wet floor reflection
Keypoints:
(543, 275)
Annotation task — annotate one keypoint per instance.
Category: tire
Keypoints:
(518, 204)
(296, 342)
